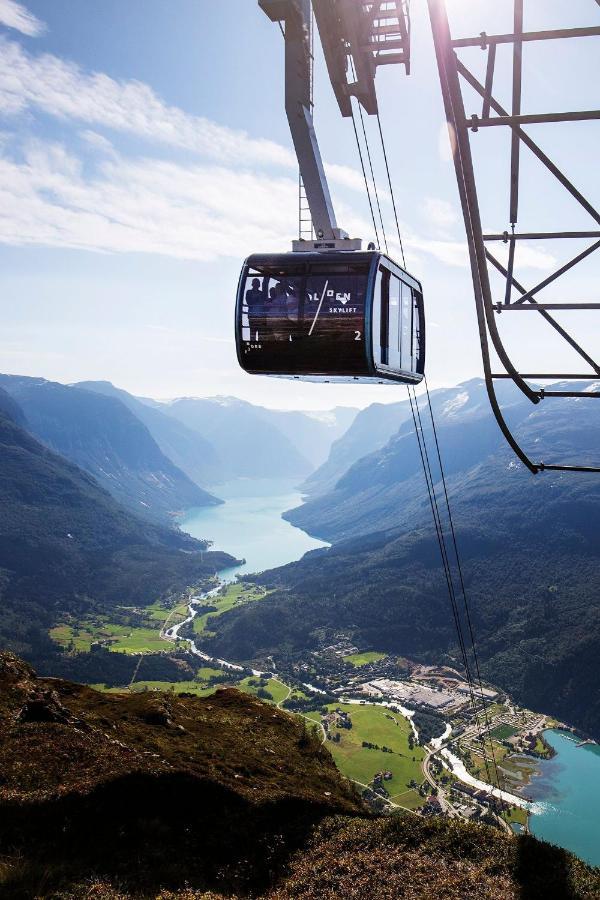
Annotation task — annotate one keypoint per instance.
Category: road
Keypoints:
(441, 793)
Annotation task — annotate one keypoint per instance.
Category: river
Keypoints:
(249, 525)
(566, 796)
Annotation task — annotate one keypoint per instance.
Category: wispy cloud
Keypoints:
(198, 212)
(439, 212)
(61, 89)
(14, 15)
(97, 142)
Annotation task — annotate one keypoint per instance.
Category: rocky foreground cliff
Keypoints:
(148, 795)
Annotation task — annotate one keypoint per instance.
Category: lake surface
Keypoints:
(249, 525)
(566, 794)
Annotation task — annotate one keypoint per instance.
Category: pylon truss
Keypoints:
(514, 296)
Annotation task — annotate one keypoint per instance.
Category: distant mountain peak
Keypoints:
(452, 406)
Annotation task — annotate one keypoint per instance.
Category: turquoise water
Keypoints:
(566, 794)
(249, 525)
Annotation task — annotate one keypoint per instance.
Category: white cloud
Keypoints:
(195, 212)
(526, 256)
(219, 205)
(452, 253)
(64, 90)
(439, 212)
(14, 15)
(98, 142)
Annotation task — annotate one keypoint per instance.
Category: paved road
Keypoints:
(441, 795)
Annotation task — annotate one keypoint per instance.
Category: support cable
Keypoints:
(447, 570)
(462, 582)
(389, 178)
(364, 171)
(364, 130)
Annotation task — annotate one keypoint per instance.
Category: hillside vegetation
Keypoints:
(188, 449)
(67, 546)
(147, 795)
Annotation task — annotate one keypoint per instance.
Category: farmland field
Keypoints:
(503, 732)
(379, 726)
(362, 659)
(230, 596)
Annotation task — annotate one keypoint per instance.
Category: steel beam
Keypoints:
(556, 34)
(584, 115)
(463, 165)
(567, 266)
(551, 376)
(450, 69)
(540, 235)
(489, 81)
(296, 15)
(514, 307)
(545, 467)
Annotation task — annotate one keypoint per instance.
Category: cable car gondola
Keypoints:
(330, 316)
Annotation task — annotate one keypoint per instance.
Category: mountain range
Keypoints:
(90, 483)
(528, 543)
(255, 442)
(102, 436)
(158, 459)
(384, 489)
(186, 448)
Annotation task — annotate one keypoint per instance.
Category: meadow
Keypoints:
(228, 597)
(126, 630)
(378, 725)
(363, 659)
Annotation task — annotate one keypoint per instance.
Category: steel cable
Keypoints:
(364, 171)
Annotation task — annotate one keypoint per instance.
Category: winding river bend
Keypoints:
(566, 790)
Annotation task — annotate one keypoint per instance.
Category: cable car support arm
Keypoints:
(295, 17)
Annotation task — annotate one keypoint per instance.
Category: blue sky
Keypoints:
(144, 152)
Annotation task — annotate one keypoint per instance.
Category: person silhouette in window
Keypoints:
(255, 301)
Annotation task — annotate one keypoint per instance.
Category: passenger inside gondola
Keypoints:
(255, 301)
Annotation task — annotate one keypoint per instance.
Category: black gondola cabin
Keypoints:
(330, 316)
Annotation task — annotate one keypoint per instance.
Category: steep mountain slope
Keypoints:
(530, 556)
(313, 433)
(248, 443)
(141, 795)
(186, 448)
(102, 436)
(386, 490)
(65, 544)
(371, 430)
(11, 409)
